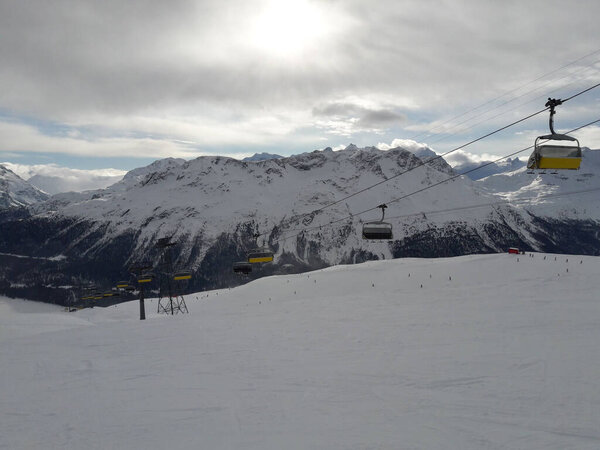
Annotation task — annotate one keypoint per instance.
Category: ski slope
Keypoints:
(475, 352)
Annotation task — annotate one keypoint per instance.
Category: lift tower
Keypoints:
(169, 302)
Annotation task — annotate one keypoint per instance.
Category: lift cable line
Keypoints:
(498, 203)
(423, 163)
(535, 99)
(349, 217)
(510, 92)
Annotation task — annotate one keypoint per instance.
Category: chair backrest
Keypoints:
(559, 151)
(377, 230)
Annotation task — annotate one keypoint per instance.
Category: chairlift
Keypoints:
(182, 275)
(145, 277)
(260, 255)
(123, 284)
(380, 230)
(557, 151)
(97, 295)
(242, 267)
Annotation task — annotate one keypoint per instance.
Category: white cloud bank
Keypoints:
(54, 179)
(221, 74)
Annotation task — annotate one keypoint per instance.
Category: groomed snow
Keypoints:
(493, 351)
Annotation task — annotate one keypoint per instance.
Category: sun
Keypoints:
(288, 27)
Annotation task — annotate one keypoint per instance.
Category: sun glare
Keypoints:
(286, 28)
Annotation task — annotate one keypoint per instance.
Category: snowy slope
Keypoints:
(487, 351)
(16, 192)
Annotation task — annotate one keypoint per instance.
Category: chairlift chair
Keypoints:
(182, 275)
(145, 278)
(242, 267)
(260, 255)
(380, 230)
(556, 151)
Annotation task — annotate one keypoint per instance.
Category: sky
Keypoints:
(93, 85)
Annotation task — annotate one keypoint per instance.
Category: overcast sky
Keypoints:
(99, 84)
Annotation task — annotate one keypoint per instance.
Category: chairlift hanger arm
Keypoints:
(383, 206)
(552, 103)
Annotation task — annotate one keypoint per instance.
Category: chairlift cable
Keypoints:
(511, 91)
(442, 138)
(581, 92)
(498, 203)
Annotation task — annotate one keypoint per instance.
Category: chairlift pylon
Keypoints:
(563, 154)
(380, 230)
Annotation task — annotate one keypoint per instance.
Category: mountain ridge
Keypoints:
(302, 206)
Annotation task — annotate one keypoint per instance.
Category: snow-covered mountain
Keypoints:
(261, 157)
(16, 192)
(212, 206)
(504, 166)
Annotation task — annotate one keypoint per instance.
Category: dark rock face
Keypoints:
(579, 237)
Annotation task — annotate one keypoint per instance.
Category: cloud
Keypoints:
(25, 138)
(346, 118)
(408, 144)
(461, 157)
(154, 137)
(53, 179)
(168, 78)
(63, 59)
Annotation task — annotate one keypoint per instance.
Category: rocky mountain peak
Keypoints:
(16, 192)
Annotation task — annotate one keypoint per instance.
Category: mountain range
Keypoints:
(302, 207)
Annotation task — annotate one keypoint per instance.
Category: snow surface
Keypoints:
(486, 351)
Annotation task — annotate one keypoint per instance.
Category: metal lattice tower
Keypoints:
(169, 302)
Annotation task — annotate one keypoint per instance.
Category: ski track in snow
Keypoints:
(492, 352)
